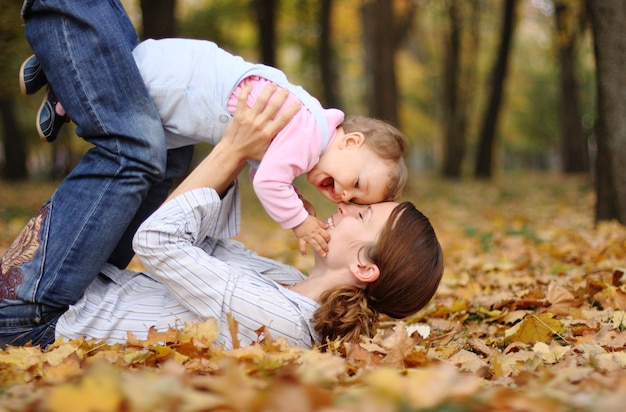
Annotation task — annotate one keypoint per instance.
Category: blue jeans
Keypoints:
(85, 48)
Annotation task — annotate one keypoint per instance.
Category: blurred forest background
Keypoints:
(516, 111)
(480, 87)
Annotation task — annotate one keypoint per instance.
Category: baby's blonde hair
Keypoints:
(388, 143)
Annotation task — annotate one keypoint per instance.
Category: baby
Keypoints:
(195, 86)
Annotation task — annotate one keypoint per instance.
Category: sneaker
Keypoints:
(49, 122)
(32, 77)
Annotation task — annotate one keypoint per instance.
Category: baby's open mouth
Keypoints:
(328, 182)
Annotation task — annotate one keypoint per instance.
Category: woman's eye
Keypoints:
(360, 215)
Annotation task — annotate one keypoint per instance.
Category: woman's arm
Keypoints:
(166, 242)
(246, 138)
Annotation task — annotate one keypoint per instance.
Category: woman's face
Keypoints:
(354, 226)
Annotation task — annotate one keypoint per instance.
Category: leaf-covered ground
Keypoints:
(530, 316)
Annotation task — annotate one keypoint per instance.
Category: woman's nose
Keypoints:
(343, 207)
(349, 208)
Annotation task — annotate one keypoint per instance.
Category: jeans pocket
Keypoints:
(24, 323)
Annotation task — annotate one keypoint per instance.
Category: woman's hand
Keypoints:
(252, 129)
(246, 138)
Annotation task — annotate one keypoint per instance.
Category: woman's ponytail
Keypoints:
(410, 260)
(344, 313)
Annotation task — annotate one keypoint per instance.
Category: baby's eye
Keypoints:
(357, 184)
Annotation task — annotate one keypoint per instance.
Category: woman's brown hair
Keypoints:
(410, 261)
(388, 143)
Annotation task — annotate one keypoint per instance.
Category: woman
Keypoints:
(91, 217)
(383, 258)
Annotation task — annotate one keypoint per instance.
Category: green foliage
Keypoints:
(231, 24)
(528, 131)
(300, 34)
(13, 47)
(530, 123)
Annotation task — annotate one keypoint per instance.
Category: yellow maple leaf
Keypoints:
(64, 369)
(154, 337)
(454, 307)
(28, 359)
(533, 329)
(57, 354)
(203, 334)
(132, 357)
(97, 391)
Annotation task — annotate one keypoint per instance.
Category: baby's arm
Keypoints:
(293, 152)
(308, 206)
(314, 232)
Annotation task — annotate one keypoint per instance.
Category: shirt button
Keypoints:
(224, 118)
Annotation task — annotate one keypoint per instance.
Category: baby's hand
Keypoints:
(315, 233)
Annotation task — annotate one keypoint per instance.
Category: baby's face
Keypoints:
(355, 175)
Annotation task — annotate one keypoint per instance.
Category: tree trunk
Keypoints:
(608, 22)
(574, 143)
(380, 59)
(329, 76)
(159, 18)
(14, 148)
(484, 157)
(452, 117)
(265, 11)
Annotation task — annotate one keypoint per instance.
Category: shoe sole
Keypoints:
(42, 135)
(43, 104)
(23, 87)
(57, 120)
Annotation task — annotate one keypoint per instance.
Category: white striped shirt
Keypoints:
(194, 271)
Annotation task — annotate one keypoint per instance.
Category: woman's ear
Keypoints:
(352, 140)
(366, 273)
